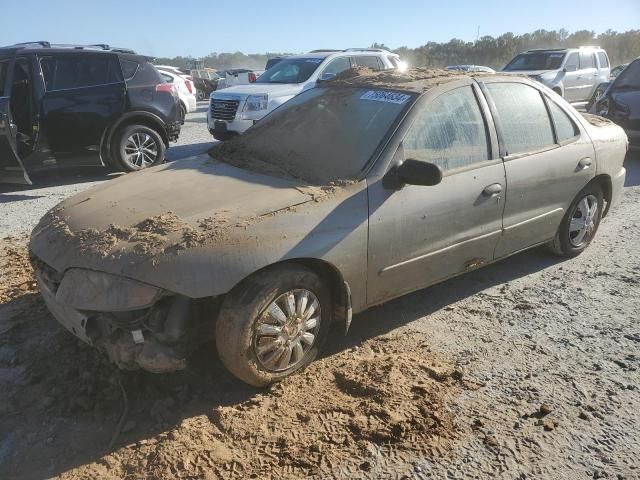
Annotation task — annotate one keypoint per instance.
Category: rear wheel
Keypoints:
(273, 324)
(580, 223)
(137, 146)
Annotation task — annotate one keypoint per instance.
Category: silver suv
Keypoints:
(573, 73)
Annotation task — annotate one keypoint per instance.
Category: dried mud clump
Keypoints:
(161, 224)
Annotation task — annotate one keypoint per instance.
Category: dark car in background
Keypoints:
(620, 101)
(82, 105)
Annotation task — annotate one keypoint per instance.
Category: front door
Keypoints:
(547, 158)
(419, 235)
(11, 168)
(85, 94)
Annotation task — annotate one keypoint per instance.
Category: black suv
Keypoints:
(82, 105)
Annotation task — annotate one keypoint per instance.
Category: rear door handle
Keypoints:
(492, 190)
(584, 164)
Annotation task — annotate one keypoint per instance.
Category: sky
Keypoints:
(196, 28)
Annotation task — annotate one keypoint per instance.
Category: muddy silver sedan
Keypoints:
(353, 193)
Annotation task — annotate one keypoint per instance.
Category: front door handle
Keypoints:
(584, 164)
(492, 190)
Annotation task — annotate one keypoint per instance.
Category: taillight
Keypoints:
(164, 87)
(189, 85)
(252, 77)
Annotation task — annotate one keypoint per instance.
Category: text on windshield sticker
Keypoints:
(388, 97)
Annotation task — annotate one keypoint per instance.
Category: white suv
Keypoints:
(234, 109)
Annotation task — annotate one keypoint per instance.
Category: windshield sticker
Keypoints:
(556, 55)
(314, 60)
(388, 97)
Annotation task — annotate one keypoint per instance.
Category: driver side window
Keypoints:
(450, 132)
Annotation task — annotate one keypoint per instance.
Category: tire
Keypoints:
(125, 141)
(568, 242)
(183, 111)
(249, 338)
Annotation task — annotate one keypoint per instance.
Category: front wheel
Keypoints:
(273, 324)
(580, 223)
(137, 147)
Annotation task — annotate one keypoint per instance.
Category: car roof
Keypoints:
(45, 48)
(414, 80)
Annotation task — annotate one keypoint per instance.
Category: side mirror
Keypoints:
(569, 68)
(325, 77)
(416, 172)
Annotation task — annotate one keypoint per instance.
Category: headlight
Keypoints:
(103, 292)
(256, 102)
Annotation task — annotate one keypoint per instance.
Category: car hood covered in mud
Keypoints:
(199, 222)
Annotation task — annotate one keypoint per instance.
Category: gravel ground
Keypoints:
(528, 368)
(53, 186)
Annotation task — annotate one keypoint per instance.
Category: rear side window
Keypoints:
(63, 72)
(573, 60)
(450, 132)
(129, 68)
(4, 66)
(587, 60)
(604, 61)
(522, 117)
(368, 61)
(565, 128)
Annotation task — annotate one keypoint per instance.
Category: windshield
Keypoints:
(295, 70)
(536, 61)
(629, 78)
(323, 135)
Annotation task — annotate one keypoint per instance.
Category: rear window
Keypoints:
(67, 71)
(4, 66)
(604, 61)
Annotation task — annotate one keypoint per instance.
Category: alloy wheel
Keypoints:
(583, 221)
(287, 330)
(140, 150)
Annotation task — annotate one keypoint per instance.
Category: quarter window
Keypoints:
(129, 68)
(450, 132)
(565, 128)
(522, 116)
(604, 61)
(77, 71)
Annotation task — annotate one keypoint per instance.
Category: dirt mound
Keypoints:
(16, 274)
(416, 80)
(352, 413)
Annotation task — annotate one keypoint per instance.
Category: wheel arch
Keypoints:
(332, 278)
(147, 119)
(604, 181)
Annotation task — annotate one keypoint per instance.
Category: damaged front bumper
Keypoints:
(135, 324)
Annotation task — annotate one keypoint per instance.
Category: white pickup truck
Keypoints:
(234, 109)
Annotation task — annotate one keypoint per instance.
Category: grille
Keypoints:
(224, 109)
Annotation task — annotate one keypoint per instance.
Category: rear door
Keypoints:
(571, 78)
(85, 94)
(588, 75)
(547, 157)
(11, 168)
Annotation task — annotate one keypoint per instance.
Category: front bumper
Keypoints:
(233, 127)
(617, 187)
(155, 339)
